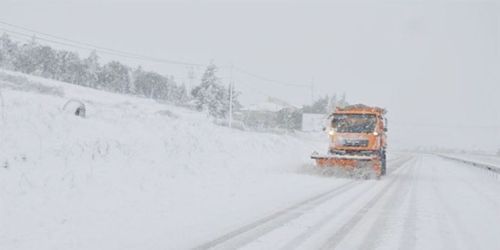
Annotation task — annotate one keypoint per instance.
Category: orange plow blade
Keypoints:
(364, 164)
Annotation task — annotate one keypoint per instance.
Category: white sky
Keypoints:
(433, 64)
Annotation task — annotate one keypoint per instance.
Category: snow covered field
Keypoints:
(136, 174)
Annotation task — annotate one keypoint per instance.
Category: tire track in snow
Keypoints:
(307, 234)
(304, 236)
(250, 232)
(398, 163)
(380, 227)
(333, 241)
(409, 235)
(253, 231)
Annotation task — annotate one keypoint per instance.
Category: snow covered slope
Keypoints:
(132, 165)
(123, 131)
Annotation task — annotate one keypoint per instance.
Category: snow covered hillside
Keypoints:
(132, 164)
(125, 131)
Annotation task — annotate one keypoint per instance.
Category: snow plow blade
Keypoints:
(351, 163)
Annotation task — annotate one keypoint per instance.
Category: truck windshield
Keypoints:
(354, 123)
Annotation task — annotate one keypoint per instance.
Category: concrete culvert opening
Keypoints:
(77, 107)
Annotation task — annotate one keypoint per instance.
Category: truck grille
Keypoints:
(355, 143)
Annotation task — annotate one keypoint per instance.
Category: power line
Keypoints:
(270, 80)
(104, 50)
(256, 91)
(20, 34)
(10, 32)
(74, 43)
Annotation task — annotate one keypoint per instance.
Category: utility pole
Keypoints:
(230, 123)
(191, 77)
(328, 104)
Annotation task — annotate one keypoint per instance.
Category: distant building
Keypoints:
(313, 122)
(315, 117)
(272, 114)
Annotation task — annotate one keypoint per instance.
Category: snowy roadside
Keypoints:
(486, 159)
(135, 174)
(489, 161)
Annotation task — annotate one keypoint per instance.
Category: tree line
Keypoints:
(67, 66)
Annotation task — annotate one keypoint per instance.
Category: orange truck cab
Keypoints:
(358, 140)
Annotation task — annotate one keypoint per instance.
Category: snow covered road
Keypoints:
(425, 202)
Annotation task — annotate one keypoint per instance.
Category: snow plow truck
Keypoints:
(357, 141)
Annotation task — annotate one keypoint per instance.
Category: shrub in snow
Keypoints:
(167, 113)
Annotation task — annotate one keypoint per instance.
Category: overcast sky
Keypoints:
(433, 64)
